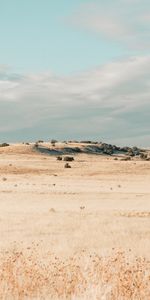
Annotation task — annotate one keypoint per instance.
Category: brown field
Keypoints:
(79, 233)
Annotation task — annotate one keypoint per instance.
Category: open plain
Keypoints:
(73, 233)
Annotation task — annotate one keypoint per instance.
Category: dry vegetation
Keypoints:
(25, 275)
(77, 234)
(131, 214)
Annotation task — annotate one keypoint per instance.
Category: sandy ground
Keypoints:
(97, 205)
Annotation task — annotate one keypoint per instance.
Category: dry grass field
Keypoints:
(78, 233)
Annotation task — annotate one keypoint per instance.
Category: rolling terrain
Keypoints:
(76, 232)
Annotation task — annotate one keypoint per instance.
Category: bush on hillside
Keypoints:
(4, 145)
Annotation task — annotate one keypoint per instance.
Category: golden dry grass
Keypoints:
(136, 214)
(96, 205)
(26, 275)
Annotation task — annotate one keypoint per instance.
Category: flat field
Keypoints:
(78, 233)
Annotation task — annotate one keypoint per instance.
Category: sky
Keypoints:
(75, 69)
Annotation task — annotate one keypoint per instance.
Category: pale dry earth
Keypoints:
(98, 204)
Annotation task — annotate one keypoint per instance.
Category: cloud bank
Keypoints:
(110, 103)
(125, 21)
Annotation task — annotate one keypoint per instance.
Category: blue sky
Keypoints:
(75, 69)
(36, 36)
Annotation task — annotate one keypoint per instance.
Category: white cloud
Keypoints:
(111, 102)
(125, 21)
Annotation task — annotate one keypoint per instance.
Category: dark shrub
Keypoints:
(36, 145)
(143, 155)
(85, 142)
(59, 157)
(53, 142)
(68, 158)
(126, 158)
(40, 141)
(4, 145)
(130, 152)
(67, 166)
